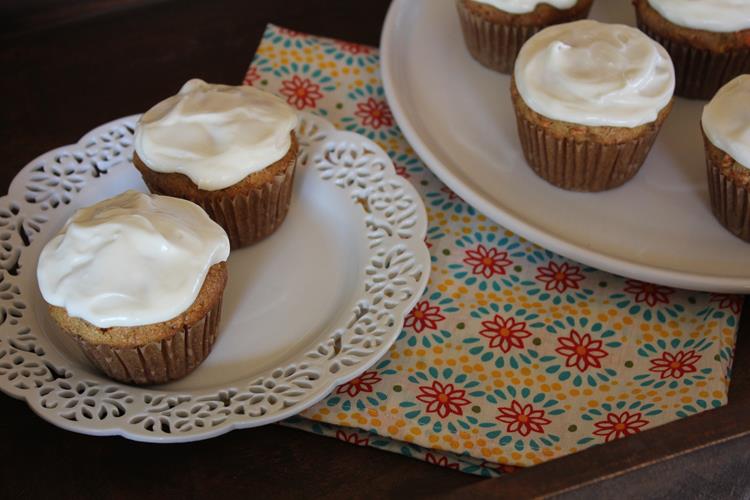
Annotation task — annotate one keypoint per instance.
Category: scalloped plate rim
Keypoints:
(346, 373)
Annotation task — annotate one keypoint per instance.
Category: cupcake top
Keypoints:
(595, 74)
(726, 119)
(131, 260)
(526, 6)
(215, 134)
(710, 15)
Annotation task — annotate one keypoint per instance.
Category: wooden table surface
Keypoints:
(70, 66)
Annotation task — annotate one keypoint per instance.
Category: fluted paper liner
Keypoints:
(250, 216)
(493, 45)
(159, 361)
(700, 73)
(730, 201)
(496, 45)
(581, 165)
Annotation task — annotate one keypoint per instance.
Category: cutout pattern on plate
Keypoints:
(395, 276)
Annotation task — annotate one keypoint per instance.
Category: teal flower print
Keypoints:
(648, 301)
(522, 418)
(503, 335)
(445, 199)
(365, 391)
(617, 420)
(350, 54)
(580, 345)
(444, 400)
(423, 324)
(488, 261)
(674, 363)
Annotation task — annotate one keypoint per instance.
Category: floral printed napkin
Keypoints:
(514, 355)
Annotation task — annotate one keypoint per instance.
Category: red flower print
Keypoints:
(251, 76)
(352, 438)
(402, 171)
(288, 32)
(441, 461)
(522, 419)
(675, 365)
(363, 383)
(559, 277)
(374, 113)
(301, 93)
(502, 468)
(353, 48)
(423, 316)
(731, 302)
(617, 426)
(487, 262)
(649, 293)
(505, 333)
(443, 399)
(581, 351)
(451, 194)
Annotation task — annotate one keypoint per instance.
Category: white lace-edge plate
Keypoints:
(305, 310)
(458, 117)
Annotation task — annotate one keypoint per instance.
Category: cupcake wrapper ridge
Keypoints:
(160, 361)
(581, 165)
(251, 216)
(700, 73)
(730, 202)
(492, 45)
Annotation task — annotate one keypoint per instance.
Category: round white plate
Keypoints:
(308, 308)
(458, 117)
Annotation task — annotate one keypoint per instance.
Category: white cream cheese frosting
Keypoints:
(595, 74)
(131, 260)
(726, 119)
(215, 134)
(712, 15)
(526, 6)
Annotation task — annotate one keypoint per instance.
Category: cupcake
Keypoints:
(590, 99)
(137, 281)
(708, 40)
(231, 150)
(726, 135)
(495, 30)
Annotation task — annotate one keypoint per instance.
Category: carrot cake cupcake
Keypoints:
(708, 40)
(590, 99)
(137, 281)
(230, 149)
(495, 30)
(726, 134)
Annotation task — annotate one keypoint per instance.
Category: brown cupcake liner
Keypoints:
(160, 361)
(493, 45)
(730, 202)
(250, 216)
(700, 73)
(581, 165)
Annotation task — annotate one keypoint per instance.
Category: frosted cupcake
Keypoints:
(708, 40)
(137, 281)
(495, 30)
(726, 134)
(590, 99)
(231, 150)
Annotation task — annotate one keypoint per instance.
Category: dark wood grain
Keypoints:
(67, 69)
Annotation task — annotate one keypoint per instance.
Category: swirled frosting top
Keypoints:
(526, 6)
(215, 134)
(595, 74)
(131, 260)
(710, 15)
(726, 119)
